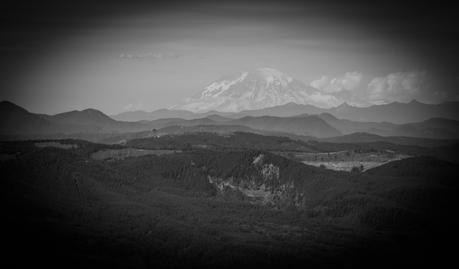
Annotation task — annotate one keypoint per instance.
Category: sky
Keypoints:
(144, 55)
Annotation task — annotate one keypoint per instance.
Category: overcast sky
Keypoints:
(117, 56)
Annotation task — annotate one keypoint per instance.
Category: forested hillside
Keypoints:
(219, 208)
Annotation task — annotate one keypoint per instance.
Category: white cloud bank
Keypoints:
(324, 100)
(400, 87)
(394, 87)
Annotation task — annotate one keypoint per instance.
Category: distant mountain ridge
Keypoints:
(434, 128)
(395, 112)
(399, 140)
(18, 121)
(15, 120)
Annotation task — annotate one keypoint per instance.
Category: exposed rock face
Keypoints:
(254, 176)
(262, 187)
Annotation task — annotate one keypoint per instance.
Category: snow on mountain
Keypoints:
(261, 88)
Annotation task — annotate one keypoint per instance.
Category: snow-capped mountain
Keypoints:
(261, 88)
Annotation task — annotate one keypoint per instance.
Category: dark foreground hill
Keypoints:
(225, 209)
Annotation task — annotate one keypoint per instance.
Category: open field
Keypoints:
(351, 155)
(349, 159)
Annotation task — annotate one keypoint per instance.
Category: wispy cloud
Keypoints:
(134, 106)
(150, 55)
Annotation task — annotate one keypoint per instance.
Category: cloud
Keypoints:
(151, 55)
(324, 100)
(133, 107)
(400, 87)
(393, 87)
(348, 82)
(320, 83)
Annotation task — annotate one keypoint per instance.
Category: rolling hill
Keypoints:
(311, 126)
(17, 121)
(305, 126)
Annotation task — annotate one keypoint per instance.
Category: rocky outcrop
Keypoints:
(262, 187)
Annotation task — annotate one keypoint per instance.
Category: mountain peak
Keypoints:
(271, 75)
(269, 70)
(343, 105)
(257, 89)
(93, 112)
(7, 105)
(218, 87)
(86, 116)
